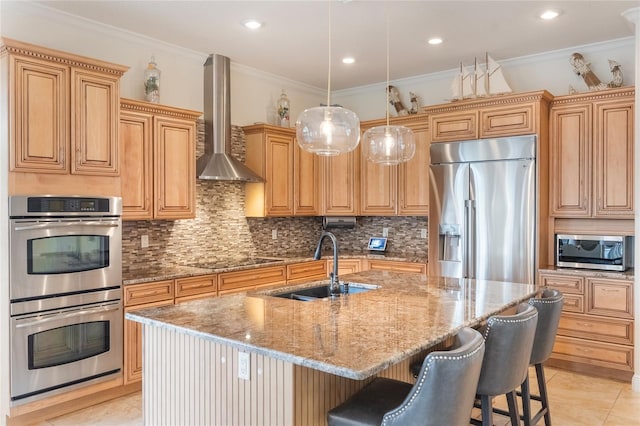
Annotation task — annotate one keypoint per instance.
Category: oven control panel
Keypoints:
(66, 205)
(50, 205)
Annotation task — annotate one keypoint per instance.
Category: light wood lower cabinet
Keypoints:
(306, 271)
(168, 292)
(139, 296)
(250, 279)
(396, 266)
(193, 288)
(596, 326)
(345, 266)
(595, 353)
(154, 294)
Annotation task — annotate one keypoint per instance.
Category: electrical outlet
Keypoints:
(423, 233)
(274, 234)
(144, 241)
(244, 366)
(385, 232)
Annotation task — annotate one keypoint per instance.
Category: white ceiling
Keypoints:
(294, 40)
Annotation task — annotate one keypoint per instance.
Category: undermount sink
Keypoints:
(322, 292)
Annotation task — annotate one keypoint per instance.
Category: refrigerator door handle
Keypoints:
(470, 232)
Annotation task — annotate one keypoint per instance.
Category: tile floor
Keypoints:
(575, 399)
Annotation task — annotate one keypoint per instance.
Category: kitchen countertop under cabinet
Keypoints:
(203, 267)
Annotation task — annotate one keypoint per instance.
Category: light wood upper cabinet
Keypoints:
(413, 178)
(136, 133)
(613, 158)
(454, 126)
(570, 160)
(174, 168)
(63, 120)
(341, 177)
(306, 183)
(591, 146)
(484, 122)
(39, 118)
(508, 120)
(291, 175)
(158, 161)
(378, 188)
(270, 156)
(94, 139)
(480, 118)
(401, 189)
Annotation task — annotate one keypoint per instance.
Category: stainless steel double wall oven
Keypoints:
(65, 292)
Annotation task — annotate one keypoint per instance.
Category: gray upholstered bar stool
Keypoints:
(442, 395)
(549, 306)
(508, 343)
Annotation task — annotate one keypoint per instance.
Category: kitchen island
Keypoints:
(304, 357)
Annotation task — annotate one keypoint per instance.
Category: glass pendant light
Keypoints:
(388, 144)
(328, 130)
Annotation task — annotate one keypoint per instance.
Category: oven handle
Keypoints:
(66, 225)
(69, 315)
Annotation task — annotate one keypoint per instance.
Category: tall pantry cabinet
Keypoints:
(591, 149)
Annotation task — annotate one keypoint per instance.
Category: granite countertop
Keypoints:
(173, 271)
(354, 336)
(591, 273)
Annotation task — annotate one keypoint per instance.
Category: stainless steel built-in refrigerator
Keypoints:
(483, 210)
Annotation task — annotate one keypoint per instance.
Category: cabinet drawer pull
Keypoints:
(584, 324)
(147, 293)
(611, 290)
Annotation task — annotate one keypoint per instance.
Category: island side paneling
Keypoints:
(197, 383)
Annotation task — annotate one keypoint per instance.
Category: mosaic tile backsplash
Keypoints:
(220, 230)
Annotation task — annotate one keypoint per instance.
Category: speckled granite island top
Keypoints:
(353, 336)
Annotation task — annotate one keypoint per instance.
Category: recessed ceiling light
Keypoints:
(252, 24)
(549, 14)
(348, 60)
(435, 40)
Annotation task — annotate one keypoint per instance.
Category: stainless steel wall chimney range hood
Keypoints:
(217, 162)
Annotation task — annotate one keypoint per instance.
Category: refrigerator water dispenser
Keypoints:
(449, 243)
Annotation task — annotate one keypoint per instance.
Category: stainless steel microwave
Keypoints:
(609, 253)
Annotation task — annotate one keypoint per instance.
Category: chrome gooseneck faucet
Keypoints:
(334, 284)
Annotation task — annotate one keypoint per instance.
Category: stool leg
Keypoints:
(542, 386)
(526, 402)
(486, 403)
(513, 408)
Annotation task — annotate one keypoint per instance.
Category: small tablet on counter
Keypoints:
(377, 243)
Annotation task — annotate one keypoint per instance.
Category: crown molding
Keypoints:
(624, 42)
(276, 79)
(109, 31)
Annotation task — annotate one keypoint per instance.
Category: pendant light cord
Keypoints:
(329, 76)
(386, 89)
